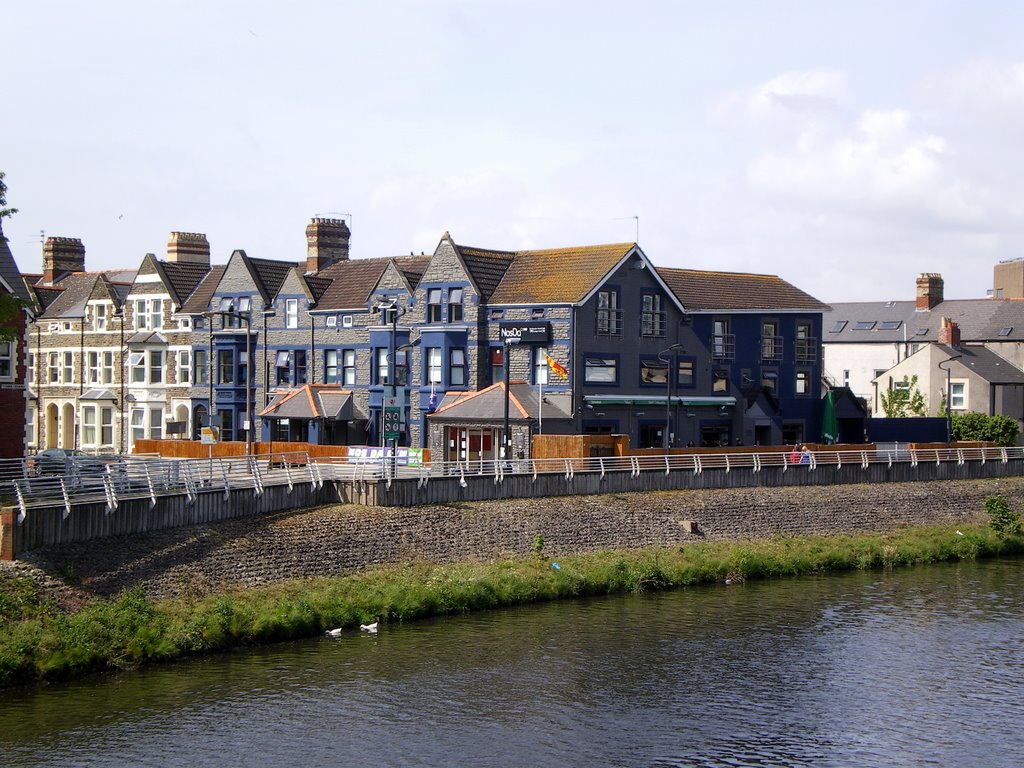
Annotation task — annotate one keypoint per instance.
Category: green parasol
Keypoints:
(829, 427)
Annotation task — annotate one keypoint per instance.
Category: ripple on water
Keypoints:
(859, 669)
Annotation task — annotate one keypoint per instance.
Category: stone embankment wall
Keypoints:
(337, 540)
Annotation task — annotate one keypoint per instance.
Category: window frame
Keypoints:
(596, 369)
(457, 367)
(291, 313)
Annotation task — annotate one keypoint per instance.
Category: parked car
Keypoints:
(61, 461)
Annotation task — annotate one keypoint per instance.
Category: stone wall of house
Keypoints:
(337, 540)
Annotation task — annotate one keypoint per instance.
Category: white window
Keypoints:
(958, 395)
(156, 423)
(331, 366)
(540, 365)
(100, 317)
(108, 368)
(156, 366)
(54, 368)
(69, 368)
(348, 367)
(89, 425)
(457, 367)
(7, 360)
(433, 365)
(382, 366)
(184, 366)
(185, 324)
(156, 314)
(106, 426)
(149, 314)
(31, 368)
(137, 362)
(93, 368)
(291, 313)
(30, 426)
(138, 425)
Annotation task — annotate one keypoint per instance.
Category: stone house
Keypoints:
(76, 361)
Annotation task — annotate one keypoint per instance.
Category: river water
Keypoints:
(921, 666)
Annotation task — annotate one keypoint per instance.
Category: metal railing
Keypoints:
(111, 480)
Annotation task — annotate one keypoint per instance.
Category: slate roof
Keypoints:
(69, 297)
(558, 275)
(268, 274)
(486, 267)
(980, 320)
(985, 363)
(10, 275)
(199, 301)
(181, 278)
(412, 268)
(701, 291)
(312, 401)
(352, 281)
(489, 404)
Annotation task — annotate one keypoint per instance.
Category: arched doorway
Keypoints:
(67, 427)
(51, 426)
(181, 415)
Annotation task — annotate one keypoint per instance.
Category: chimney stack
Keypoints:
(61, 256)
(929, 290)
(188, 248)
(326, 243)
(949, 333)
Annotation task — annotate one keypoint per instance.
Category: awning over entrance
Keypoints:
(715, 402)
(313, 401)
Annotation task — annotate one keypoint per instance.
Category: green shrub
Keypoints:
(1003, 520)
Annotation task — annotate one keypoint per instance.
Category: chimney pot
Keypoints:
(188, 248)
(62, 256)
(929, 291)
(326, 243)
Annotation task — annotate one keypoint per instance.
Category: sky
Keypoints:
(845, 146)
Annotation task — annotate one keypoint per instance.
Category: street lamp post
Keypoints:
(666, 442)
(249, 394)
(949, 397)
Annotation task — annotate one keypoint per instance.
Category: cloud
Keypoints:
(799, 94)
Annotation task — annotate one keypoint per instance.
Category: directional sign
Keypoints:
(392, 423)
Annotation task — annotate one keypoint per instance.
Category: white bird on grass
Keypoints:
(368, 627)
(958, 533)
(333, 632)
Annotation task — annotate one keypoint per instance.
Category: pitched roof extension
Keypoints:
(181, 278)
(199, 301)
(985, 363)
(731, 291)
(489, 404)
(351, 282)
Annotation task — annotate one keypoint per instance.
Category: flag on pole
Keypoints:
(556, 367)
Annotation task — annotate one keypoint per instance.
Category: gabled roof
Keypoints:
(199, 301)
(486, 267)
(10, 275)
(267, 274)
(180, 278)
(979, 320)
(351, 283)
(74, 291)
(489, 404)
(701, 291)
(312, 401)
(985, 363)
(558, 275)
(412, 268)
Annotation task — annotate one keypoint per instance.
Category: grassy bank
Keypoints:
(39, 641)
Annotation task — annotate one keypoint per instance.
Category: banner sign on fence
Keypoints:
(373, 454)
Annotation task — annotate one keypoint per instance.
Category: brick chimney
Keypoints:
(949, 333)
(326, 243)
(61, 256)
(929, 290)
(188, 248)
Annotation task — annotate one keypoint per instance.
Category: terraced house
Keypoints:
(442, 351)
(76, 363)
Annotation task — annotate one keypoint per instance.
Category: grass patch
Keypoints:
(40, 642)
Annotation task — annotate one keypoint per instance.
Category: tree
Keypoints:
(904, 399)
(10, 304)
(5, 212)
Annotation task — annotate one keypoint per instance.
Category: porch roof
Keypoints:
(689, 400)
(312, 401)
